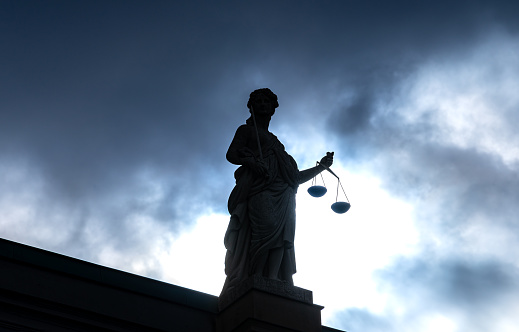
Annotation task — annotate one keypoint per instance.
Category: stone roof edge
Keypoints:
(107, 276)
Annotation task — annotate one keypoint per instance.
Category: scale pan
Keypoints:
(317, 191)
(340, 207)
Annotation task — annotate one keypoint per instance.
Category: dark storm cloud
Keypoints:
(477, 293)
(92, 95)
(454, 284)
(464, 286)
(106, 102)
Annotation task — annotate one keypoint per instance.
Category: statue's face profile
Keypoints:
(262, 105)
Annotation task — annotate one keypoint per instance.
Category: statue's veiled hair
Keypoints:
(266, 92)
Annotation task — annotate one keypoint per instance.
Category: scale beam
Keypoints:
(328, 169)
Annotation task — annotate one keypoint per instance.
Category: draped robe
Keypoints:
(262, 215)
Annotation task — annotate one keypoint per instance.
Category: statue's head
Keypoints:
(259, 97)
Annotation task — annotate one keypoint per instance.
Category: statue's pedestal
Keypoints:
(260, 305)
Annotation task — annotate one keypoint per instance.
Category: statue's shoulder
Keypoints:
(244, 130)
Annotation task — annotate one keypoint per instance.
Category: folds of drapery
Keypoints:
(262, 217)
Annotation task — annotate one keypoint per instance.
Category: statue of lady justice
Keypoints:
(260, 236)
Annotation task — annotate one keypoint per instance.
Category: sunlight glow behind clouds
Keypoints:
(438, 323)
(470, 100)
(196, 258)
(345, 249)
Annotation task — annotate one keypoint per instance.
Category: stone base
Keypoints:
(260, 304)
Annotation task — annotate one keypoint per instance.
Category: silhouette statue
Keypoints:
(260, 236)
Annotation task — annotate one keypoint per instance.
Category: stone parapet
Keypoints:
(260, 304)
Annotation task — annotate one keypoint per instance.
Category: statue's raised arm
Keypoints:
(308, 174)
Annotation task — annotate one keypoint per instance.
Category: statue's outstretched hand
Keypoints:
(327, 160)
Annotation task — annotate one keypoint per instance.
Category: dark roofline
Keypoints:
(28, 255)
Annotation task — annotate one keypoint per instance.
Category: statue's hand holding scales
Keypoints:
(327, 160)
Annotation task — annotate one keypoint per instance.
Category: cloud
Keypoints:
(461, 288)
(355, 319)
(443, 140)
(452, 293)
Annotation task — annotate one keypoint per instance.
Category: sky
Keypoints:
(115, 117)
